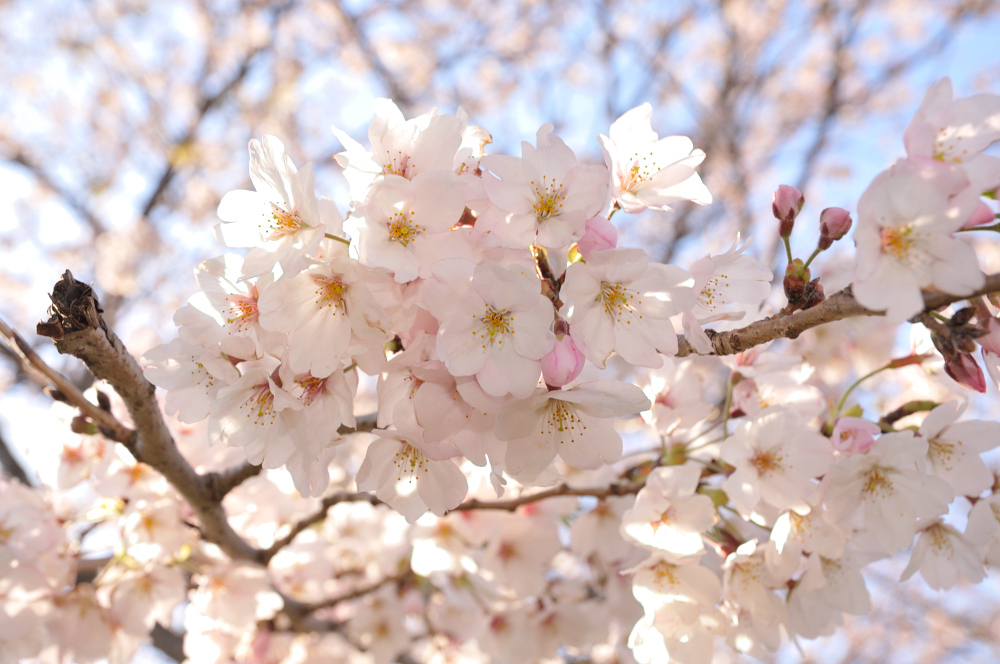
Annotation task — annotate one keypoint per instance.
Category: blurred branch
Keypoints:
(838, 306)
(20, 157)
(395, 89)
(561, 490)
(316, 517)
(11, 466)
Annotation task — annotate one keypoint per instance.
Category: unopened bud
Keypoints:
(786, 205)
(563, 364)
(796, 277)
(965, 371)
(833, 225)
(599, 234)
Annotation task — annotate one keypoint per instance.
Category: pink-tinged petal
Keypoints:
(443, 487)
(460, 347)
(506, 184)
(599, 234)
(437, 203)
(606, 398)
(891, 288)
(507, 229)
(588, 188)
(594, 335)
(513, 289)
(956, 270)
(941, 417)
(521, 418)
(526, 458)
(532, 336)
(506, 372)
(435, 148)
(618, 265)
(593, 443)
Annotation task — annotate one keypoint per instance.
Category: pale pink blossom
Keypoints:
(251, 413)
(956, 131)
(499, 331)
(954, 449)
(905, 219)
(406, 148)
(668, 516)
(323, 308)
(943, 557)
(619, 301)
(648, 171)
(282, 220)
(411, 482)
(892, 492)
(777, 458)
(574, 424)
(192, 376)
(853, 435)
(403, 227)
(545, 191)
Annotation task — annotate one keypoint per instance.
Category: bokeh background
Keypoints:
(123, 122)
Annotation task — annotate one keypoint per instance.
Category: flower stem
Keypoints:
(788, 249)
(814, 255)
(338, 239)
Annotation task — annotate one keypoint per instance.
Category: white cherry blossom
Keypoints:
(648, 171)
(546, 190)
(619, 301)
(571, 423)
(282, 220)
(499, 331)
(943, 557)
(886, 483)
(776, 458)
(905, 219)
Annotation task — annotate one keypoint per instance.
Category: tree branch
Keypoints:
(77, 329)
(316, 517)
(838, 306)
(561, 490)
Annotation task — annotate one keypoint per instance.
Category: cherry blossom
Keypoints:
(648, 171)
(501, 304)
(282, 220)
(546, 190)
(903, 237)
(619, 301)
(571, 423)
(886, 483)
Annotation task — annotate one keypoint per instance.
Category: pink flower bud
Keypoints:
(600, 234)
(981, 215)
(853, 435)
(786, 205)
(965, 371)
(833, 225)
(563, 364)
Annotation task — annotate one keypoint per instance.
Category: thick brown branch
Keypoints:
(838, 306)
(77, 329)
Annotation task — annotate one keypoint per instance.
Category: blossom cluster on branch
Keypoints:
(666, 502)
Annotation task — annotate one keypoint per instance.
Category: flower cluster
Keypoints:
(511, 344)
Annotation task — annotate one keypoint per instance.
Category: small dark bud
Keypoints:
(104, 401)
(962, 317)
